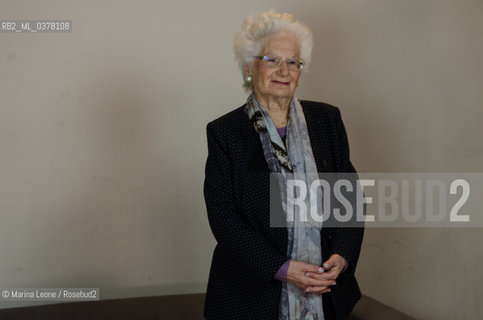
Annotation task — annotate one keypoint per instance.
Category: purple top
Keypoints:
(282, 132)
(282, 272)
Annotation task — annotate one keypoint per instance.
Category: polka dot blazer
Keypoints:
(249, 252)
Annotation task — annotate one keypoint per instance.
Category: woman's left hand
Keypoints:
(333, 267)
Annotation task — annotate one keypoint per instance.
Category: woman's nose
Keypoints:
(283, 68)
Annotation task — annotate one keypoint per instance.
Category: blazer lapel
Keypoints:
(317, 137)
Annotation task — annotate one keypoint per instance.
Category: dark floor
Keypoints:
(175, 307)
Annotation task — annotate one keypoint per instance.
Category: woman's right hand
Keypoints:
(297, 275)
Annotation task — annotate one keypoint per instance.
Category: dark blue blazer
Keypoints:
(249, 252)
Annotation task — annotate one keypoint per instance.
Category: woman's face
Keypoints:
(280, 82)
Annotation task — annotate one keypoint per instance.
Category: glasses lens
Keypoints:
(293, 64)
(271, 61)
(274, 61)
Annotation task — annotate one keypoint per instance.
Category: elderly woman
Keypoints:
(260, 271)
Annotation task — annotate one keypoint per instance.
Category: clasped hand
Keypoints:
(313, 278)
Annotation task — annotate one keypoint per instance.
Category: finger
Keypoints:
(325, 287)
(311, 282)
(314, 268)
(315, 281)
(317, 290)
(302, 281)
(329, 263)
(324, 276)
(333, 272)
(304, 267)
(335, 260)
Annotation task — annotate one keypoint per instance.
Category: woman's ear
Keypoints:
(246, 70)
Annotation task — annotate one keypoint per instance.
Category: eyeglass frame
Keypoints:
(282, 59)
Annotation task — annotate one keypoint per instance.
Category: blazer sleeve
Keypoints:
(246, 246)
(346, 241)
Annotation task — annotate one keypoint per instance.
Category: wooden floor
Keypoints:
(175, 307)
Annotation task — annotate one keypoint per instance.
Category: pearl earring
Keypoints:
(249, 78)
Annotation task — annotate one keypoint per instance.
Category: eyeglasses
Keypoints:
(274, 61)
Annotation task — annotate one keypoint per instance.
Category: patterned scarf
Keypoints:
(293, 160)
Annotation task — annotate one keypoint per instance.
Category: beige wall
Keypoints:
(103, 146)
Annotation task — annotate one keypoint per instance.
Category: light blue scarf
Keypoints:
(293, 160)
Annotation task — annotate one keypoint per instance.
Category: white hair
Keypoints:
(248, 42)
